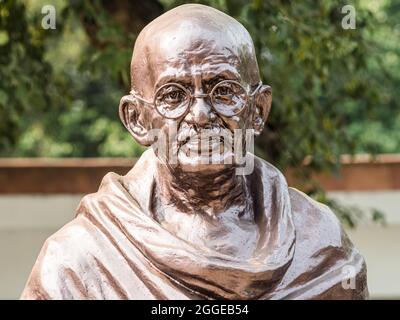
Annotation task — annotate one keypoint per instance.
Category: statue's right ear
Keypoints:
(133, 115)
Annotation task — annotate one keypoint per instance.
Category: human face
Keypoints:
(201, 139)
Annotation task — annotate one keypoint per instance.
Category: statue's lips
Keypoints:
(204, 144)
(207, 142)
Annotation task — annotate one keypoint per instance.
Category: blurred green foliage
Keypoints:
(23, 73)
(335, 90)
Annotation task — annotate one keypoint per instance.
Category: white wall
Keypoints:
(380, 246)
(26, 221)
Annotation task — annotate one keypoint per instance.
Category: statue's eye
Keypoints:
(223, 91)
(174, 96)
(171, 100)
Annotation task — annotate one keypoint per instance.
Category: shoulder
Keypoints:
(266, 170)
(268, 178)
(71, 238)
(318, 229)
(314, 219)
(61, 261)
(322, 241)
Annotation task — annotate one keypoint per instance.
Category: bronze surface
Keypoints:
(190, 230)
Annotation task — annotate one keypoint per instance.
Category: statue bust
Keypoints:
(185, 222)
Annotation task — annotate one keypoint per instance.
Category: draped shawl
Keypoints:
(114, 249)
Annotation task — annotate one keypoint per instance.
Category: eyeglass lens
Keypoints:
(228, 98)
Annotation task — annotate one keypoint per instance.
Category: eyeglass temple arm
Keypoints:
(140, 98)
(256, 89)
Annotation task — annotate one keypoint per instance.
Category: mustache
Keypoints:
(189, 131)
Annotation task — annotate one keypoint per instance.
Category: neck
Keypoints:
(204, 193)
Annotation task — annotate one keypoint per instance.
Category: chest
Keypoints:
(227, 233)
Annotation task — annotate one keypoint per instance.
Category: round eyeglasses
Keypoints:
(228, 98)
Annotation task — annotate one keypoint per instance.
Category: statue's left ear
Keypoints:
(263, 101)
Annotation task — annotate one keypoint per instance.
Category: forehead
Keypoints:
(177, 47)
(206, 61)
(190, 52)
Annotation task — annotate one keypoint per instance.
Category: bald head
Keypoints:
(189, 38)
(194, 75)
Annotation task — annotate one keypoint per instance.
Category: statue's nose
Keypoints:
(200, 113)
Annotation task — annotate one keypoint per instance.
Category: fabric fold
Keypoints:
(115, 249)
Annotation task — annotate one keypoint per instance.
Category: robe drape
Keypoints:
(114, 249)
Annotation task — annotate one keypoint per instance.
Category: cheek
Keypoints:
(158, 127)
(156, 122)
(165, 143)
(168, 130)
(241, 121)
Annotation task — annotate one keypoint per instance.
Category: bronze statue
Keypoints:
(183, 223)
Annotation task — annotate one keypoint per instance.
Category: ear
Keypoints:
(263, 101)
(132, 115)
